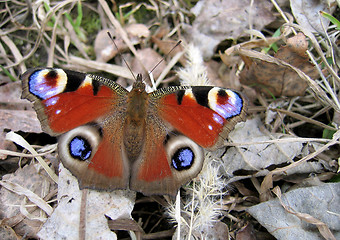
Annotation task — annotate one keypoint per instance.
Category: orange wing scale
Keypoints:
(68, 110)
(197, 122)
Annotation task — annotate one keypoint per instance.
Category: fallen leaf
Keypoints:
(242, 162)
(165, 46)
(246, 233)
(19, 120)
(27, 182)
(13, 115)
(136, 32)
(66, 221)
(8, 233)
(319, 202)
(10, 96)
(306, 13)
(280, 80)
(218, 231)
(227, 19)
(105, 48)
(149, 58)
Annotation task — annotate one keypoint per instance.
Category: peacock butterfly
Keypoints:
(115, 139)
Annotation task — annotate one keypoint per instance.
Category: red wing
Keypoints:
(66, 99)
(152, 168)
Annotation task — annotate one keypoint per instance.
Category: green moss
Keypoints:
(91, 23)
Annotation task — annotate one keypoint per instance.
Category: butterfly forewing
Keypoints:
(205, 114)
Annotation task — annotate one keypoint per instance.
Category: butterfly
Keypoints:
(111, 138)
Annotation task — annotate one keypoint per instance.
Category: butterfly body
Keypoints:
(111, 138)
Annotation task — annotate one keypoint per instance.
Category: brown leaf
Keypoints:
(137, 31)
(125, 224)
(246, 233)
(106, 50)
(167, 45)
(149, 58)
(19, 120)
(217, 20)
(12, 115)
(276, 79)
(307, 14)
(6, 232)
(26, 177)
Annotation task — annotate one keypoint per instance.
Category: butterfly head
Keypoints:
(139, 86)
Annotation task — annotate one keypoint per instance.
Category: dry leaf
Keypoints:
(10, 96)
(104, 47)
(306, 13)
(321, 202)
(8, 233)
(246, 233)
(19, 120)
(165, 46)
(16, 120)
(65, 222)
(279, 80)
(12, 113)
(136, 32)
(13, 116)
(243, 161)
(219, 20)
(28, 179)
(106, 50)
(149, 58)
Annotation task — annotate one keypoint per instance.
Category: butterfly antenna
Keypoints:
(178, 43)
(111, 37)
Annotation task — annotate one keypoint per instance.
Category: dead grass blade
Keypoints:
(11, 136)
(16, 188)
(268, 180)
(110, 68)
(303, 118)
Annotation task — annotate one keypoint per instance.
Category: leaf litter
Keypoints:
(274, 176)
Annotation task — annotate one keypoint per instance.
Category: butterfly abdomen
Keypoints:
(134, 128)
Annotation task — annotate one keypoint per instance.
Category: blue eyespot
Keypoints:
(80, 148)
(183, 159)
(47, 83)
(230, 105)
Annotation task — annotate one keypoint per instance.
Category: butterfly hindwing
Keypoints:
(167, 161)
(94, 155)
